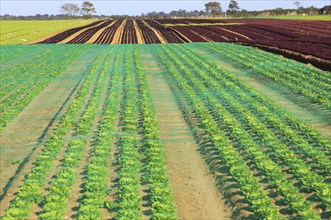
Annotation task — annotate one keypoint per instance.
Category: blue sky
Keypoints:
(136, 7)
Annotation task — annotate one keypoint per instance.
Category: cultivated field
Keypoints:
(165, 123)
(304, 41)
(20, 32)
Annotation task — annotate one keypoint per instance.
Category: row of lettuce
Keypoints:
(111, 114)
(237, 119)
(298, 79)
(27, 72)
(113, 120)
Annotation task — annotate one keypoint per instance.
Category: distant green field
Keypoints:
(301, 17)
(18, 32)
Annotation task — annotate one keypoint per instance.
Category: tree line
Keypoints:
(215, 9)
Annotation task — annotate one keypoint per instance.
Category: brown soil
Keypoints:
(318, 123)
(194, 189)
(118, 34)
(23, 139)
(77, 33)
(97, 34)
(140, 39)
(157, 33)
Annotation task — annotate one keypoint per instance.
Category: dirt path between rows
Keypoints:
(140, 38)
(318, 123)
(194, 189)
(22, 140)
(118, 34)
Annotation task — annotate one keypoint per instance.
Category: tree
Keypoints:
(326, 10)
(70, 10)
(233, 7)
(298, 4)
(278, 11)
(213, 8)
(87, 9)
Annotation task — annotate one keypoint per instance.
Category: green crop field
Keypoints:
(152, 131)
(20, 32)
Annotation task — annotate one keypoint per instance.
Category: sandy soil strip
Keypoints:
(263, 35)
(204, 37)
(194, 189)
(140, 39)
(23, 138)
(97, 34)
(157, 33)
(233, 32)
(118, 34)
(78, 33)
(180, 34)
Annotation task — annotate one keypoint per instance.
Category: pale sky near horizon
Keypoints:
(136, 7)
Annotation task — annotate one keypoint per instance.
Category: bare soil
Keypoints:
(140, 39)
(118, 34)
(194, 189)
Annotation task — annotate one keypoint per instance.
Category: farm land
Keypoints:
(20, 32)
(166, 119)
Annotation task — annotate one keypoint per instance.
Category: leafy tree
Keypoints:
(326, 10)
(298, 4)
(87, 9)
(213, 7)
(278, 11)
(233, 7)
(71, 10)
